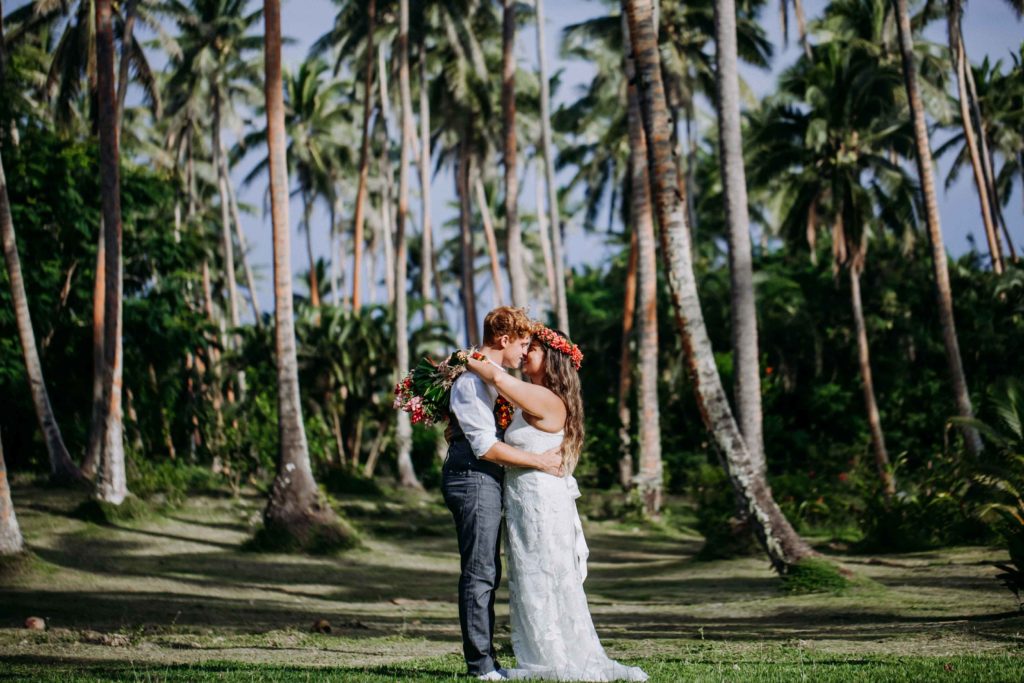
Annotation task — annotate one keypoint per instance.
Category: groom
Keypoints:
(471, 484)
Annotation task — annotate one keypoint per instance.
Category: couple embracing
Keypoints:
(524, 466)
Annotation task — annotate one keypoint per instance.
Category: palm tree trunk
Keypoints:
(544, 235)
(406, 473)
(492, 240)
(649, 478)
(626, 368)
(943, 292)
(307, 220)
(91, 461)
(747, 383)
(294, 508)
(364, 162)
(549, 173)
(62, 469)
(514, 236)
(783, 545)
(427, 247)
(243, 247)
(870, 403)
(462, 175)
(11, 541)
(122, 72)
(225, 218)
(986, 156)
(387, 213)
(111, 481)
(956, 48)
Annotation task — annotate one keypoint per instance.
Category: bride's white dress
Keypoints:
(552, 632)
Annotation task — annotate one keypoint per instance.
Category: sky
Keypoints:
(990, 29)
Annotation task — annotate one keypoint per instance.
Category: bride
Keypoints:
(553, 634)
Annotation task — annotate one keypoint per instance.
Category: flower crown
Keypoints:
(553, 340)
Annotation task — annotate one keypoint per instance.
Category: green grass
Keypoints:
(172, 596)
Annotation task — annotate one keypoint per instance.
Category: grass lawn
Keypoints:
(174, 598)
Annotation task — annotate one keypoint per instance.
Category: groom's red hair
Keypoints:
(506, 320)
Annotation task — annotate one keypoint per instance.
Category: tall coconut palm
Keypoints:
(111, 480)
(11, 540)
(649, 477)
(516, 271)
(74, 60)
(555, 222)
(406, 473)
(211, 67)
(294, 509)
(825, 150)
(783, 545)
(62, 469)
(958, 53)
(943, 291)
(316, 122)
(747, 383)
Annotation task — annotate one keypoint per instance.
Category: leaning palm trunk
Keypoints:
(870, 402)
(364, 163)
(462, 174)
(111, 481)
(490, 238)
(406, 473)
(626, 368)
(294, 509)
(986, 156)
(250, 281)
(557, 254)
(956, 49)
(943, 292)
(62, 469)
(514, 235)
(783, 545)
(747, 384)
(11, 541)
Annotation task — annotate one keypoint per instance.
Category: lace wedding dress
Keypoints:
(552, 632)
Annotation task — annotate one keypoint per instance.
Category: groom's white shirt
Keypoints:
(472, 403)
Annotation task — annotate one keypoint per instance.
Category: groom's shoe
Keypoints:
(498, 675)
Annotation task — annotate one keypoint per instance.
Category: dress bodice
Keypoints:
(526, 437)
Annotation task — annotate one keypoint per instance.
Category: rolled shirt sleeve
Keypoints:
(472, 402)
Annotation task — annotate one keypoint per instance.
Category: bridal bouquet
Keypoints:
(424, 392)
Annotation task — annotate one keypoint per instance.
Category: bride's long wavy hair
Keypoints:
(562, 378)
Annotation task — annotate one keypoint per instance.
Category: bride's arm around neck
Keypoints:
(533, 399)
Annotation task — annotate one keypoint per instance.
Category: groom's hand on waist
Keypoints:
(551, 461)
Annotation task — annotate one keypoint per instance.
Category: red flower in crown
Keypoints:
(553, 340)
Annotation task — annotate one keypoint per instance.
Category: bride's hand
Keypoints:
(551, 461)
(482, 368)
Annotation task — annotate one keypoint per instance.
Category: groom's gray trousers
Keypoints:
(472, 491)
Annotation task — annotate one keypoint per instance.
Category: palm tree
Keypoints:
(944, 293)
(62, 469)
(960, 67)
(406, 474)
(555, 223)
(747, 384)
(825, 148)
(626, 464)
(801, 22)
(111, 481)
(11, 541)
(74, 58)
(783, 545)
(294, 509)
(649, 478)
(212, 67)
(516, 272)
